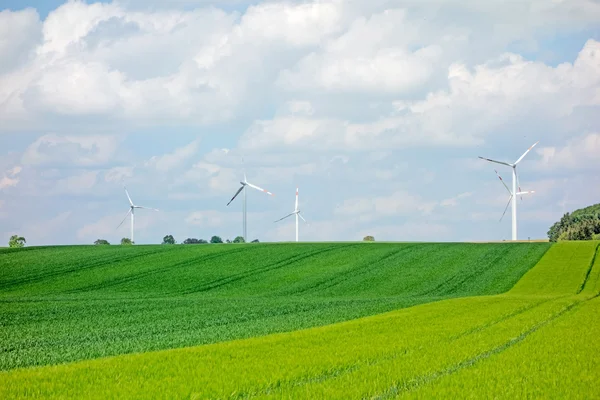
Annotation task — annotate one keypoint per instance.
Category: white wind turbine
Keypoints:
(519, 193)
(515, 185)
(132, 207)
(297, 213)
(245, 184)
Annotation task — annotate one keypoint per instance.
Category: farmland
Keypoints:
(69, 303)
(485, 334)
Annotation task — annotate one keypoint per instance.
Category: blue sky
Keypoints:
(376, 110)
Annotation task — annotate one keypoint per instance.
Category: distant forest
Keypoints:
(582, 224)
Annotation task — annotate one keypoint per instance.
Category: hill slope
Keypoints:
(535, 341)
(62, 304)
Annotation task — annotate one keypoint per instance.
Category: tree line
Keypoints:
(169, 239)
(582, 224)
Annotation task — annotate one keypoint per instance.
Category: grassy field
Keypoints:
(537, 340)
(61, 304)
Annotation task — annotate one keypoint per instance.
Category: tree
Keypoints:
(582, 224)
(169, 239)
(254, 241)
(126, 242)
(101, 242)
(368, 239)
(239, 239)
(16, 241)
(228, 241)
(216, 239)
(194, 241)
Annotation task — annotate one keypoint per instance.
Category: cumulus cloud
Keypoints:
(20, 31)
(167, 162)
(350, 101)
(479, 101)
(371, 56)
(579, 153)
(79, 150)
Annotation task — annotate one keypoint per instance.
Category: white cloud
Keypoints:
(175, 159)
(6, 182)
(11, 178)
(45, 230)
(453, 201)
(211, 218)
(479, 101)
(118, 174)
(76, 184)
(20, 31)
(372, 56)
(398, 203)
(297, 24)
(88, 150)
(579, 153)
(71, 87)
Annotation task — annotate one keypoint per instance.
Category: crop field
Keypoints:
(64, 304)
(485, 320)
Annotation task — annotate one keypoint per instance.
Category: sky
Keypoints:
(376, 110)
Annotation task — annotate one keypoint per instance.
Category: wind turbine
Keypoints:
(297, 213)
(519, 193)
(245, 184)
(515, 185)
(132, 207)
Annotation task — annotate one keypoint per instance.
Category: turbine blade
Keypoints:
(126, 215)
(526, 192)
(502, 180)
(127, 193)
(296, 208)
(289, 215)
(524, 154)
(300, 215)
(244, 169)
(146, 208)
(507, 204)
(258, 188)
(494, 161)
(236, 193)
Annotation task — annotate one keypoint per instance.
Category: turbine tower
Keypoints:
(297, 213)
(515, 185)
(132, 207)
(246, 184)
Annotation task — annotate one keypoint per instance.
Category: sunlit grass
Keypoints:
(69, 303)
(537, 340)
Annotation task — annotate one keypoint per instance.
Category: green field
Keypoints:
(76, 303)
(63, 304)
